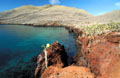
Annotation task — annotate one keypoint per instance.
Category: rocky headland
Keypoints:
(97, 57)
(58, 65)
(97, 40)
(100, 53)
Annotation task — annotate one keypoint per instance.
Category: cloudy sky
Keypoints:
(95, 7)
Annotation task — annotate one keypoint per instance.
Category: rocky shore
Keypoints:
(58, 65)
(100, 53)
(97, 40)
(97, 57)
(57, 57)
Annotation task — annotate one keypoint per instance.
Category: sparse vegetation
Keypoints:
(98, 29)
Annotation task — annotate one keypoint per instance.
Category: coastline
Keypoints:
(86, 56)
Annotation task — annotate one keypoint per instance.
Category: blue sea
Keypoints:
(20, 44)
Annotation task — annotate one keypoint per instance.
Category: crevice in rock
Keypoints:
(79, 59)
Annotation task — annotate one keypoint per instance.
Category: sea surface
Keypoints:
(20, 44)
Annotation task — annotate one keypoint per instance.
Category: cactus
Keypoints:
(98, 29)
(45, 51)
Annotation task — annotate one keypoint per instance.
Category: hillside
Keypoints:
(40, 15)
(113, 16)
(60, 15)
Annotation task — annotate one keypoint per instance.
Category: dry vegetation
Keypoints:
(98, 29)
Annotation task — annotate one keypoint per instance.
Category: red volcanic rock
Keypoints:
(56, 57)
(113, 37)
(78, 59)
(76, 31)
(102, 54)
(67, 72)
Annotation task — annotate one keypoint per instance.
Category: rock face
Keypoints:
(74, 30)
(102, 54)
(57, 62)
(56, 57)
(68, 72)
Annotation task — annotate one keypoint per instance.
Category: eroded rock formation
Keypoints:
(97, 57)
(56, 57)
(101, 53)
(57, 62)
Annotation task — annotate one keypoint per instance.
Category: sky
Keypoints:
(95, 7)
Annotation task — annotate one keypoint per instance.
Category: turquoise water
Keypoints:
(19, 44)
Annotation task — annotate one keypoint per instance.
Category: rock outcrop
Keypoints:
(56, 57)
(68, 72)
(57, 62)
(101, 53)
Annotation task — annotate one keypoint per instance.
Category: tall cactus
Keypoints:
(45, 51)
(46, 61)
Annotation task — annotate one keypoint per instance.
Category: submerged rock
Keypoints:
(56, 57)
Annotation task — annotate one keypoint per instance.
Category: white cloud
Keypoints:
(101, 13)
(117, 4)
(54, 2)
